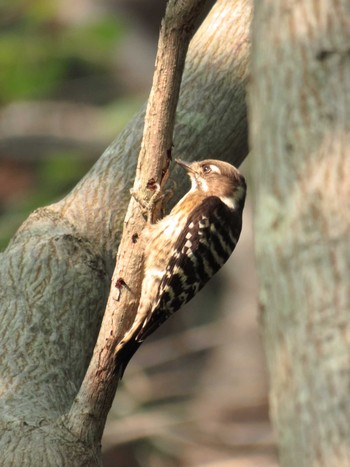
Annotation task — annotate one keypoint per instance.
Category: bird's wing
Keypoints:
(204, 245)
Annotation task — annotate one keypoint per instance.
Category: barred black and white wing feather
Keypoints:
(187, 247)
(205, 243)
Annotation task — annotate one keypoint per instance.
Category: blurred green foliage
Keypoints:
(45, 56)
(53, 177)
(60, 172)
(38, 52)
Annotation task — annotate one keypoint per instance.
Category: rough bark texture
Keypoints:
(88, 413)
(300, 137)
(56, 272)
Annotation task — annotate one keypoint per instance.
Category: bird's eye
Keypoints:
(206, 169)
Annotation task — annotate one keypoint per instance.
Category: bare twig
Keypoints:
(89, 411)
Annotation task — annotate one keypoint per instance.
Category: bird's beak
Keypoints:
(185, 165)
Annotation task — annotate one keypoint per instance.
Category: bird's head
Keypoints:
(217, 178)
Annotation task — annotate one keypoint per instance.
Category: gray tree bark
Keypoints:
(300, 139)
(55, 274)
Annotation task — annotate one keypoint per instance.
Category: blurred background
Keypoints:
(72, 74)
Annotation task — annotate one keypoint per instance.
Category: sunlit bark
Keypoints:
(300, 137)
(56, 272)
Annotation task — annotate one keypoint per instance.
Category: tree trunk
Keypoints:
(300, 138)
(55, 273)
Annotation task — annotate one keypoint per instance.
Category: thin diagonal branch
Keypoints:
(91, 406)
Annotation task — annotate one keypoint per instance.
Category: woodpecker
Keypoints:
(187, 247)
